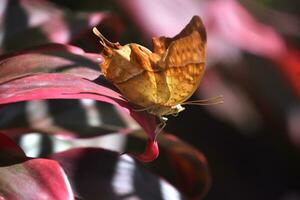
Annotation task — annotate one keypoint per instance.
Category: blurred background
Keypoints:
(252, 140)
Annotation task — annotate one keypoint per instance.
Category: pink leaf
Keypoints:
(150, 152)
(26, 76)
(189, 166)
(179, 163)
(65, 86)
(29, 23)
(10, 152)
(113, 176)
(50, 58)
(22, 178)
(34, 179)
(289, 63)
(230, 27)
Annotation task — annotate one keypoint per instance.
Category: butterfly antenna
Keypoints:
(105, 42)
(206, 102)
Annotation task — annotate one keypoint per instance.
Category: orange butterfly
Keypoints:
(159, 81)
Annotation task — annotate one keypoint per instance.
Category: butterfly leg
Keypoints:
(161, 125)
(149, 109)
(143, 109)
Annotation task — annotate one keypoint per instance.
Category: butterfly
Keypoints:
(159, 81)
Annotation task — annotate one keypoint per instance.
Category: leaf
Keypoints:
(113, 176)
(179, 163)
(10, 152)
(229, 25)
(30, 23)
(28, 81)
(64, 86)
(289, 63)
(50, 58)
(53, 117)
(189, 166)
(25, 178)
(34, 179)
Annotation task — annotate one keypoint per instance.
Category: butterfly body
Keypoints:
(159, 81)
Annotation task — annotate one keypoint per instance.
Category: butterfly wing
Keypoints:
(164, 78)
(183, 60)
(160, 44)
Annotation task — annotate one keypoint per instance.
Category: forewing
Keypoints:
(160, 44)
(184, 62)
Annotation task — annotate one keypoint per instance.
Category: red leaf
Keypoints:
(21, 178)
(52, 47)
(189, 166)
(180, 164)
(289, 63)
(113, 176)
(150, 152)
(34, 179)
(64, 86)
(228, 25)
(23, 78)
(50, 58)
(10, 152)
(39, 22)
